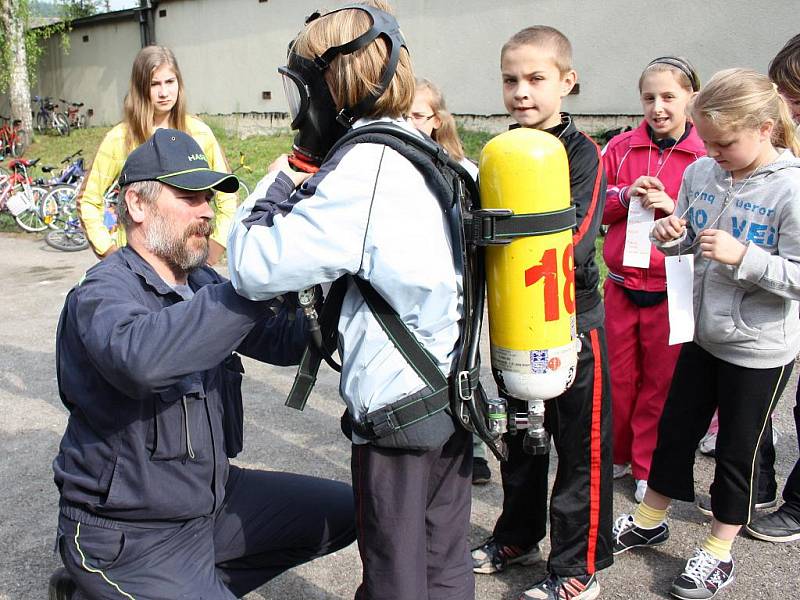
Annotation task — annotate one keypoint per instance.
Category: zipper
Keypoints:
(189, 449)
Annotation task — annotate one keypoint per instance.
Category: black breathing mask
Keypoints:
(311, 106)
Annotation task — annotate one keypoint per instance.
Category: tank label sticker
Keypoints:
(535, 362)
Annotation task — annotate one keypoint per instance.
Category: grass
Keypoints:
(259, 151)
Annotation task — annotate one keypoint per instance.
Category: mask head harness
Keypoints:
(311, 104)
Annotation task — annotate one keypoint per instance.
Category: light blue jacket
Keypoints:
(368, 212)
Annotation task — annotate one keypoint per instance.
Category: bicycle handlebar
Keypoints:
(71, 156)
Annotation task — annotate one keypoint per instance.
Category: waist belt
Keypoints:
(402, 413)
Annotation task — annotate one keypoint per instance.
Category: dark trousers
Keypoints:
(581, 502)
(268, 523)
(744, 399)
(766, 476)
(412, 518)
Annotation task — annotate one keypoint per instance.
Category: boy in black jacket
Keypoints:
(537, 73)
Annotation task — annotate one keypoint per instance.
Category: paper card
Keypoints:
(680, 296)
(637, 235)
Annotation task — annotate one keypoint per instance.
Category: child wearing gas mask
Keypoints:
(537, 74)
(644, 169)
(369, 213)
(737, 222)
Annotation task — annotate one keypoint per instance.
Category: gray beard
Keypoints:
(162, 240)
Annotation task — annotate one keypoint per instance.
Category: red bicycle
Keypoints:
(20, 197)
(75, 119)
(13, 139)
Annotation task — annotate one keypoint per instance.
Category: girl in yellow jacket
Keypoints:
(155, 99)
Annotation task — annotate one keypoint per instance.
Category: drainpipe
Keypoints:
(145, 30)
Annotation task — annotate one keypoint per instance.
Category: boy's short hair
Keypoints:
(355, 76)
(543, 35)
(784, 69)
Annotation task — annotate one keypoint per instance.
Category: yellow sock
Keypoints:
(648, 517)
(719, 549)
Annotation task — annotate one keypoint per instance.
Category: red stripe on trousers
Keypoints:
(594, 453)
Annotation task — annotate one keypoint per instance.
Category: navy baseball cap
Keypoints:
(174, 158)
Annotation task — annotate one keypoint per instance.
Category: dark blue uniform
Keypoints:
(150, 507)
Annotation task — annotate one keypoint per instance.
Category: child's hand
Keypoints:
(668, 229)
(282, 164)
(644, 183)
(655, 198)
(721, 246)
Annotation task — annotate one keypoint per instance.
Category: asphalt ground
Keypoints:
(35, 279)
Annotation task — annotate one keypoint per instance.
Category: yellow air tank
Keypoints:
(530, 281)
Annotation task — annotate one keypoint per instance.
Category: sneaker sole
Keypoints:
(759, 506)
(688, 596)
(772, 538)
(524, 561)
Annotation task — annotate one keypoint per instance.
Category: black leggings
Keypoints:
(745, 399)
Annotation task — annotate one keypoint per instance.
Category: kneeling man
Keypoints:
(150, 507)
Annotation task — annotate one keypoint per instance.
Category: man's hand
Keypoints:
(282, 164)
(721, 246)
(669, 228)
(658, 199)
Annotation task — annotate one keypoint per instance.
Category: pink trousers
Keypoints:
(641, 364)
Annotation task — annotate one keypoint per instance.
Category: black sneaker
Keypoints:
(702, 577)
(628, 535)
(61, 586)
(492, 557)
(480, 471)
(778, 526)
(583, 587)
(704, 505)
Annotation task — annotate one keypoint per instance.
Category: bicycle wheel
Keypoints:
(41, 122)
(71, 239)
(58, 206)
(29, 219)
(61, 124)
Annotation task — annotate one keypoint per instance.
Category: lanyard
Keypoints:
(726, 202)
(663, 164)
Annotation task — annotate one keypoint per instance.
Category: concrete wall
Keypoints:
(95, 72)
(229, 49)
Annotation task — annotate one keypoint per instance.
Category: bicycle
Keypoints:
(63, 187)
(75, 118)
(48, 116)
(13, 138)
(20, 197)
(66, 232)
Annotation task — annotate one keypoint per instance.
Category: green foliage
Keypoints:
(34, 40)
(474, 141)
(75, 9)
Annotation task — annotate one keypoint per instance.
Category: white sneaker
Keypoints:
(621, 470)
(708, 444)
(641, 488)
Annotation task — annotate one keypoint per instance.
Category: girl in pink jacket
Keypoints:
(644, 166)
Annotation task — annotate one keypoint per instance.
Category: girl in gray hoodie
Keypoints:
(738, 214)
